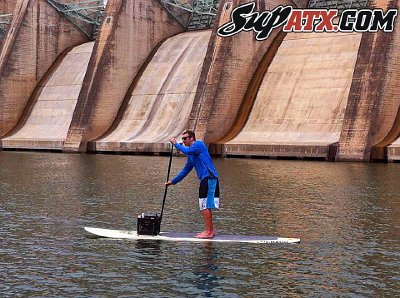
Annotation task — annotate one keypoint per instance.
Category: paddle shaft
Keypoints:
(166, 186)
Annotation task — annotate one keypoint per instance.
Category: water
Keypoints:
(346, 214)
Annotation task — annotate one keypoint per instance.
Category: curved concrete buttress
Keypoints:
(130, 32)
(38, 34)
(47, 123)
(372, 120)
(389, 111)
(228, 70)
(160, 103)
(300, 105)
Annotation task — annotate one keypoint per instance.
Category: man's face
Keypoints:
(187, 141)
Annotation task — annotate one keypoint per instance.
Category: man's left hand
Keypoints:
(173, 141)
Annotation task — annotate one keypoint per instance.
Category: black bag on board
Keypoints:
(148, 224)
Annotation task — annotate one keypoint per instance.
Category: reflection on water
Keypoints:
(347, 215)
(206, 271)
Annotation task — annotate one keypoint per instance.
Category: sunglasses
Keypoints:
(185, 138)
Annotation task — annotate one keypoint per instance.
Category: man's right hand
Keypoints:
(168, 183)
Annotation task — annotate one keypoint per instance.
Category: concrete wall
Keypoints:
(38, 36)
(6, 7)
(131, 30)
(299, 107)
(18, 10)
(391, 110)
(381, 150)
(46, 124)
(372, 113)
(160, 102)
(227, 72)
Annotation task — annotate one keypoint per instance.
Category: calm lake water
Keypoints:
(346, 214)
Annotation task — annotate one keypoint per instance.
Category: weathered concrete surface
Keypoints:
(18, 11)
(48, 118)
(391, 94)
(372, 116)
(131, 30)
(228, 70)
(393, 151)
(6, 7)
(37, 37)
(160, 104)
(300, 105)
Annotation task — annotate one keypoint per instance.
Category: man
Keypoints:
(199, 158)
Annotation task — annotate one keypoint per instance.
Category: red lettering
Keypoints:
(310, 17)
(326, 23)
(294, 23)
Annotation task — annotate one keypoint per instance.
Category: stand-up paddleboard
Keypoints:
(169, 236)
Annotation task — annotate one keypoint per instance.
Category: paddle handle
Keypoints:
(166, 186)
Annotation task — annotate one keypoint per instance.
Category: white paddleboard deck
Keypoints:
(169, 236)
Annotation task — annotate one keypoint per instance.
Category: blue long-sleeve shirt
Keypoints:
(199, 158)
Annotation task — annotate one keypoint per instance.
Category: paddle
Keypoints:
(166, 186)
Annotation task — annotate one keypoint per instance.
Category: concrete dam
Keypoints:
(160, 103)
(126, 76)
(46, 125)
(295, 114)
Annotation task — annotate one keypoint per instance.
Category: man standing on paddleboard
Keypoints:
(199, 158)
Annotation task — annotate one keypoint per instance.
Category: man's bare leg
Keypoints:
(209, 228)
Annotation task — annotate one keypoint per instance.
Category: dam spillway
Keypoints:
(161, 101)
(37, 34)
(299, 108)
(46, 124)
(147, 77)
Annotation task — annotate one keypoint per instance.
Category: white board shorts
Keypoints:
(209, 194)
